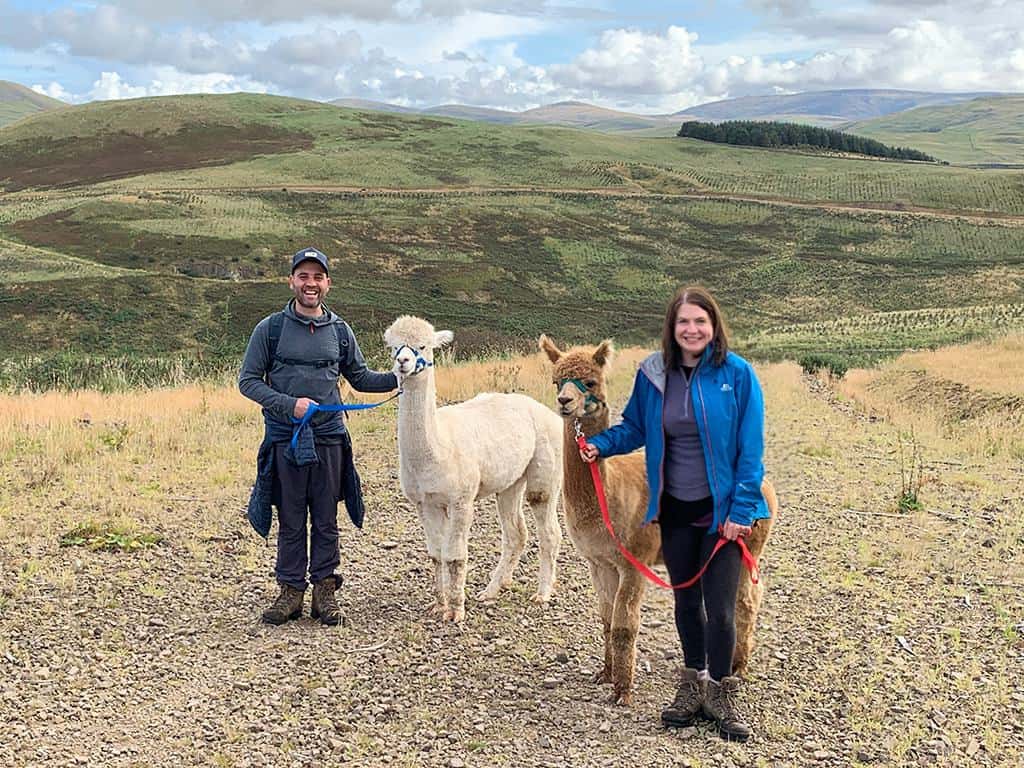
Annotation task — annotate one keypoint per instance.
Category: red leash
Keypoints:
(748, 559)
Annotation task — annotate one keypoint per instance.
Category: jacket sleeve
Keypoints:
(358, 375)
(749, 470)
(252, 377)
(629, 434)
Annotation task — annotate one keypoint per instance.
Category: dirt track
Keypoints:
(885, 639)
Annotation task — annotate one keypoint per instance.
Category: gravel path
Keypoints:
(885, 639)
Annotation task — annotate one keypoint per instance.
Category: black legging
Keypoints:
(706, 612)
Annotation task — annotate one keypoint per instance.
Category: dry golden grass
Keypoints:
(969, 394)
(529, 375)
(990, 366)
(120, 456)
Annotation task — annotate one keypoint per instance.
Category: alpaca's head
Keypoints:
(412, 341)
(579, 376)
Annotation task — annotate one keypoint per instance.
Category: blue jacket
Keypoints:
(265, 490)
(729, 408)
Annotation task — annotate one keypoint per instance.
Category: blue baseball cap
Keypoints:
(310, 254)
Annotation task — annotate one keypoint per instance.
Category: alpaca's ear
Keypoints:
(603, 353)
(388, 340)
(548, 347)
(443, 337)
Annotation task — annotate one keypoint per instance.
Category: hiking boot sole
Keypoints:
(729, 736)
(672, 721)
(326, 620)
(278, 622)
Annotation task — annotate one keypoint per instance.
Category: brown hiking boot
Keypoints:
(325, 605)
(287, 606)
(721, 706)
(688, 703)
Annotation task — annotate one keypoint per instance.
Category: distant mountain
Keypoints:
(483, 114)
(373, 106)
(985, 131)
(17, 101)
(826, 108)
(575, 114)
(579, 114)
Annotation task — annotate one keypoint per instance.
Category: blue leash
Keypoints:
(302, 423)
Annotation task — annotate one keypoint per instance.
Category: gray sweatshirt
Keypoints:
(686, 475)
(308, 363)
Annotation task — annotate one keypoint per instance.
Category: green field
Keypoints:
(863, 340)
(978, 132)
(171, 238)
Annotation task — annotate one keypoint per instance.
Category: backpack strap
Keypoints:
(274, 332)
(274, 336)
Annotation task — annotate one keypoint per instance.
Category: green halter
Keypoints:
(591, 398)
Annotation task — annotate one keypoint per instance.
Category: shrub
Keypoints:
(815, 362)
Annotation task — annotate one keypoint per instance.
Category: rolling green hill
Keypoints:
(17, 101)
(161, 227)
(243, 141)
(987, 131)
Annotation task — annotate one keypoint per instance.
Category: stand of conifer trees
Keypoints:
(773, 134)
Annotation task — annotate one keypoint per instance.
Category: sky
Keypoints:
(646, 56)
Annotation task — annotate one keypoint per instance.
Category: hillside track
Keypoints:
(897, 209)
(885, 639)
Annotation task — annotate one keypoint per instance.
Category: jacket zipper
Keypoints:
(664, 434)
(664, 448)
(710, 451)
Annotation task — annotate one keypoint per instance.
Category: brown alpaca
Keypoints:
(620, 586)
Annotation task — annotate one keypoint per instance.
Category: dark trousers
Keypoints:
(706, 612)
(307, 493)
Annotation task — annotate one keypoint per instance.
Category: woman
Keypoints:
(698, 409)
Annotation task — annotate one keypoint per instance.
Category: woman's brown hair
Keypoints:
(700, 297)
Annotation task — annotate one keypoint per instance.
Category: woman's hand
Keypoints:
(589, 453)
(732, 531)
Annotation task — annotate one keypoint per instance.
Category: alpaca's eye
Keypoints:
(421, 348)
(590, 383)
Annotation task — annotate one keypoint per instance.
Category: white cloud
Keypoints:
(54, 90)
(919, 55)
(169, 82)
(263, 11)
(633, 61)
(111, 86)
(425, 52)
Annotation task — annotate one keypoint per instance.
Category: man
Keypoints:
(293, 361)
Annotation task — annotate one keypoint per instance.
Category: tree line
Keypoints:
(750, 133)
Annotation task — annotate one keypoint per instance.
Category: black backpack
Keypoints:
(274, 336)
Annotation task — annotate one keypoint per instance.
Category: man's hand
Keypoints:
(302, 405)
(589, 453)
(732, 530)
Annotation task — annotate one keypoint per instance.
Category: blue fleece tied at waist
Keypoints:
(262, 499)
(303, 448)
(302, 452)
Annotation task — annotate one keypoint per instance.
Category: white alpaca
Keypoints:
(509, 446)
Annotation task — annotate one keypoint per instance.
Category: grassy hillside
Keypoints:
(978, 132)
(17, 101)
(244, 140)
(866, 339)
(161, 227)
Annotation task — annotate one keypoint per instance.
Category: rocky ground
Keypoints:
(886, 638)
